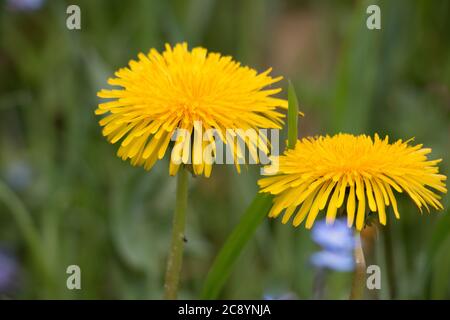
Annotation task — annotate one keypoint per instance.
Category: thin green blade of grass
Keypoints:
(252, 218)
(292, 116)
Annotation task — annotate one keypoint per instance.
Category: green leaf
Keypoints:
(223, 264)
(252, 218)
(292, 116)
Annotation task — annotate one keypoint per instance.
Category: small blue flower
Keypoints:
(338, 261)
(25, 5)
(8, 272)
(337, 241)
(334, 237)
(19, 175)
(285, 296)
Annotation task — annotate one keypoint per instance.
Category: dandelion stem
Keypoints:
(359, 275)
(389, 256)
(368, 236)
(175, 259)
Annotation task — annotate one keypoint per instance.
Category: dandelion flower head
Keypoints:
(194, 90)
(354, 173)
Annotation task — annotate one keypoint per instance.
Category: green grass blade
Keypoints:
(223, 264)
(252, 218)
(292, 116)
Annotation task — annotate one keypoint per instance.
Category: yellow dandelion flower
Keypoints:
(327, 171)
(189, 90)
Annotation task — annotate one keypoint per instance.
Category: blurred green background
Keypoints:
(65, 198)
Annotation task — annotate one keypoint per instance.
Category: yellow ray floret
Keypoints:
(163, 92)
(323, 173)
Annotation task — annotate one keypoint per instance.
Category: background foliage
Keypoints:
(65, 198)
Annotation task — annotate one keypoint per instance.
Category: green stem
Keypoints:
(175, 259)
(368, 236)
(359, 275)
(389, 256)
